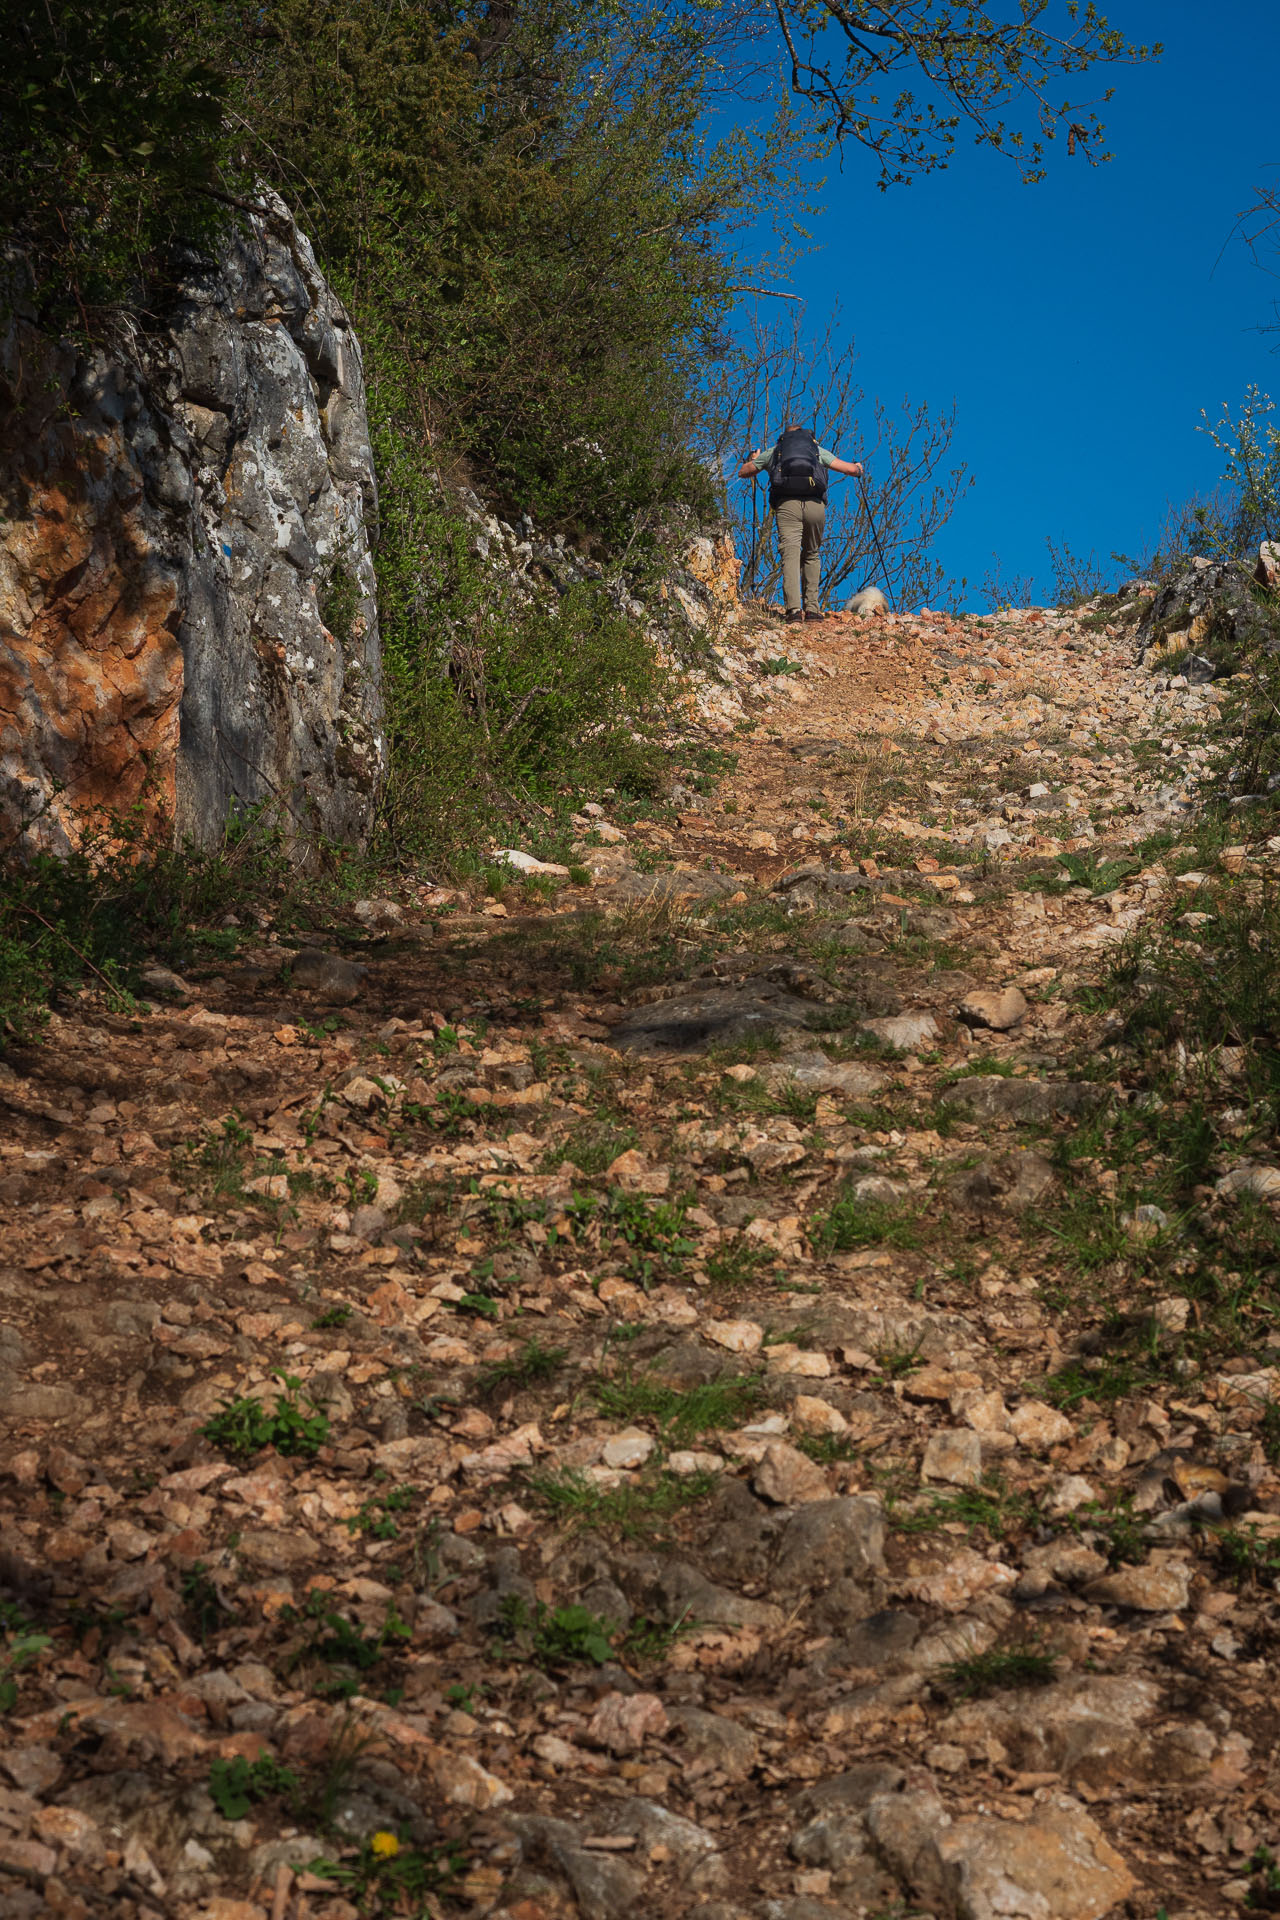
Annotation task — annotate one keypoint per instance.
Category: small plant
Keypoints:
(850, 1223)
(990, 1509)
(205, 1604)
(237, 1784)
(739, 1261)
(295, 1426)
(680, 1416)
(827, 1448)
(647, 1639)
(1248, 1557)
(780, 664)
(1265, 1891)
(593, 1145)
(315, 1033)
(985, 1673)
(531, 1363)
(329, 1636)
(375, 1518)
(332, 1317)
(635, 1509)
(895, 1363)
(553, 1636)
(390, 1876)
(22, 1644)
(216, 1162)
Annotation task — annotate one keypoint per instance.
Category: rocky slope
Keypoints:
(749, 1386)
(187, 614)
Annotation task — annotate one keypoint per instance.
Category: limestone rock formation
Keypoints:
(1205, 609)
(187, 612)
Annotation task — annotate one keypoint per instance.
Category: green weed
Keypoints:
(739, 1262)
(985, 1673)
(327, 1635)
(637, 1509)
(237, 1784)
(553, 1637)
(389, 1875)
(827, 1448)
(1248, 1556)
(650, 1640)
(375, 1519)
(680, 1416)
(531, 1363)
(849, 1223)
(21, 1645)
(296, 1425)
(204, 1602)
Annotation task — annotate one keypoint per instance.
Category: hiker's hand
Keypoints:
(856, 469)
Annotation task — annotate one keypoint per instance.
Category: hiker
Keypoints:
(797, 468)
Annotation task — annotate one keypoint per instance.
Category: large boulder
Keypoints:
(187, 612)
(1208, 608)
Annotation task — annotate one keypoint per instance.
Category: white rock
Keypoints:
(1264, 1182)
(903, 1031)
(1038, 1426)
(812, 1415)
(630, 1448)
(791, 1359)
(690, 1460)
(525, 863)
(1069, 1493)
(735, 1336)
(953, 1456)
(998, 1009)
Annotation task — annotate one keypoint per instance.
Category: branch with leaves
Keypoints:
(902, 78)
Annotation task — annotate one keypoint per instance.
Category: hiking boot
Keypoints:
(816, 616)
(794, 616)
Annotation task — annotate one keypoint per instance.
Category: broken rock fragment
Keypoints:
(996, 1008)
(1058, 1865)
(333, 980)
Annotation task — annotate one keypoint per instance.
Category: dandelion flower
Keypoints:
(384, 1846)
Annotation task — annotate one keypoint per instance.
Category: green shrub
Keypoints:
(295, 1425)
(123, 896)
(237, 1784)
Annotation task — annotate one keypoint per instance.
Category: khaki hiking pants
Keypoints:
(800, 526)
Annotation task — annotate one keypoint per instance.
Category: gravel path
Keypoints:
(679, 1397)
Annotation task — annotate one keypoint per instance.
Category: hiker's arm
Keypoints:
(748, 470)
(853, 467)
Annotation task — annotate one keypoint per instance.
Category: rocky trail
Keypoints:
(742, 1389)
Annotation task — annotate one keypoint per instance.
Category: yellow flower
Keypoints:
(384, 1845)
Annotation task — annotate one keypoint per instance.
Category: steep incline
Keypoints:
(754, 1434)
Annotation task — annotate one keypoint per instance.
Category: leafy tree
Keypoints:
(115, 146)
(860, 64)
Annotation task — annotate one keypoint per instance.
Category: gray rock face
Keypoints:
(692, 1022)
(187, 613)
(990, 1096)
(1206, 608)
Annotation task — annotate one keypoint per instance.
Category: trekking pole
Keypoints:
(875, 538)
(751, 572)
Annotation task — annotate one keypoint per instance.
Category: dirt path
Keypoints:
(655, 1399)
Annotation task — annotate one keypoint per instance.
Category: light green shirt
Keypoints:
(761, 458)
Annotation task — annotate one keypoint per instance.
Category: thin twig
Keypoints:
(83, 958)
(518, 715)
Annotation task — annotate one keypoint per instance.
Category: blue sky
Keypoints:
(1082, 324)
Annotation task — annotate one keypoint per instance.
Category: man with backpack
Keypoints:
(797, 468)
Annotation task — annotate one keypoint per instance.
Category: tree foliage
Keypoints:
(902, 78)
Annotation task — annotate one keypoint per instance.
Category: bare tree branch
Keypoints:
(780, 374)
